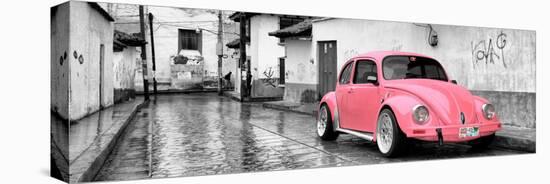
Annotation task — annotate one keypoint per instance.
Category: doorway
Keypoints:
(326, 51)
(101, 73)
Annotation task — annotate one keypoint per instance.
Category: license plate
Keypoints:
(468, 132)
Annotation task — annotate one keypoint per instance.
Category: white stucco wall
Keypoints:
(88, 30)
(125, 64)
(59, 60)
(456, 49)
(298, 63)
(166, 37)
(264, 49)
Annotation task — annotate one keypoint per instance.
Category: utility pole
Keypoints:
(242, 50)
(153, 54)
(143, 53)
(219, 51)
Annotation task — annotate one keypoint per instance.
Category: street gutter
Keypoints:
(88, 166)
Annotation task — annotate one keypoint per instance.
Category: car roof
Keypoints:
(379, 55)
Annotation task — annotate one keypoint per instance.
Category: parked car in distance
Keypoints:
(392, 97)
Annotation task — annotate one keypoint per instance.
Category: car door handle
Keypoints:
(350, 90)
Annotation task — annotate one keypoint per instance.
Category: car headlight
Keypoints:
(420, 114)
(488, 111)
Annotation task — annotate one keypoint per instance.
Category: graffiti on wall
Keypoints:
(489, 51)
(269, 80)
(348, 54)
(124, 72)
(397, 45)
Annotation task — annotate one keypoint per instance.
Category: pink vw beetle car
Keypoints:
(391, 97)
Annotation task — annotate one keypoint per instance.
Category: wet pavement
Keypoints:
(203, 134)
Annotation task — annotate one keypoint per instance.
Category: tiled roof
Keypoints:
(300, 29)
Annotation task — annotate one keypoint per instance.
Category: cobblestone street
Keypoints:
(202, 134)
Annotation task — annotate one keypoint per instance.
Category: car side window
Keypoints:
(363, 70)
(345, 76)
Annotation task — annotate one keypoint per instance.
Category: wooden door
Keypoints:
(101, 73)
(327, 66)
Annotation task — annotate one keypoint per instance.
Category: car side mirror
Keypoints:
(453, 81)
(372, 79)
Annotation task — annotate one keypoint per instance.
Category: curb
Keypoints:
(98, 162)
(288, 109)
(501, 140)
(515, 143)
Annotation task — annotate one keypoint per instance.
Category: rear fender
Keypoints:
(330, 100)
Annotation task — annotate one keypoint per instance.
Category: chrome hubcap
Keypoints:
(322, 121)
(384, 133)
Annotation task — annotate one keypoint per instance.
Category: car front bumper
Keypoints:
(450, 133)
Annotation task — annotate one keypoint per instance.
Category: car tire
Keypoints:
(391, 141)
(325, 127)
(482, 142)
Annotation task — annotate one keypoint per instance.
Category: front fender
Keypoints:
(330, 100)
(401, 105)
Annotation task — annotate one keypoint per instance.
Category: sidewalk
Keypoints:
(92, 138)
(516, 138)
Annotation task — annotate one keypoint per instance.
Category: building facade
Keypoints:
(266, 53)
(498, 64)
(299, 68)
(82, 56)
(185, 44)
(126, 61)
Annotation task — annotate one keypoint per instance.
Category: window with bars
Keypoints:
(189, 40)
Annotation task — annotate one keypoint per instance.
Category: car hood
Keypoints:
(445, 99)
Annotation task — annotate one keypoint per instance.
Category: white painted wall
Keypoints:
(166, 37)
(125, 64)
(455, 49)
(88, 30)
(298, 65)
(265, 50)
(59, 60)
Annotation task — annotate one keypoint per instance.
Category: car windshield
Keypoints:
(412, 67)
